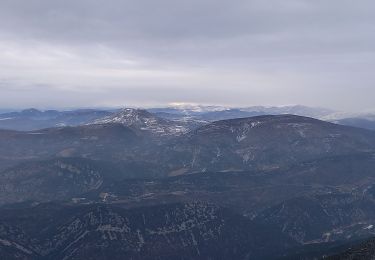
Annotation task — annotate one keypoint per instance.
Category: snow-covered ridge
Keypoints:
(189, 108)
(192, 107)
(343, 115)
(139, 119)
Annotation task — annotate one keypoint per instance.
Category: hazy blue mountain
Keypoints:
(33, 119)
(358, 122)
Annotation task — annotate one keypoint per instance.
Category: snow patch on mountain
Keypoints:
(142, 120)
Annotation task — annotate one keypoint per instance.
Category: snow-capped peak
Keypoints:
(143, 120)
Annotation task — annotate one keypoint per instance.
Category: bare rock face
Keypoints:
(173, 231)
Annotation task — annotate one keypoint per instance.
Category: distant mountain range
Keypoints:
(180, 118)
(215, 113)
(33, 119)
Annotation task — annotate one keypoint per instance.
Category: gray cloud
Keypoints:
(244, 52)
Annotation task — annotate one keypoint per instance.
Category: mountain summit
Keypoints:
(266, 142)
(142, 120)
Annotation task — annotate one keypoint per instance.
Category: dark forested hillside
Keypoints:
(264, 187)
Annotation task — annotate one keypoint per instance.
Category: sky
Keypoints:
(102, 53)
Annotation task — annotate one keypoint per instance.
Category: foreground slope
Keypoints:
(173, 231)
(361, 251)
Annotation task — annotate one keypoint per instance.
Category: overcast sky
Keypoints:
(80, 53)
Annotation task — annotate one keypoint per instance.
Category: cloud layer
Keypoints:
(70, 53)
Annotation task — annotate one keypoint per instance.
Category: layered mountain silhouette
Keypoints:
(135, 185)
